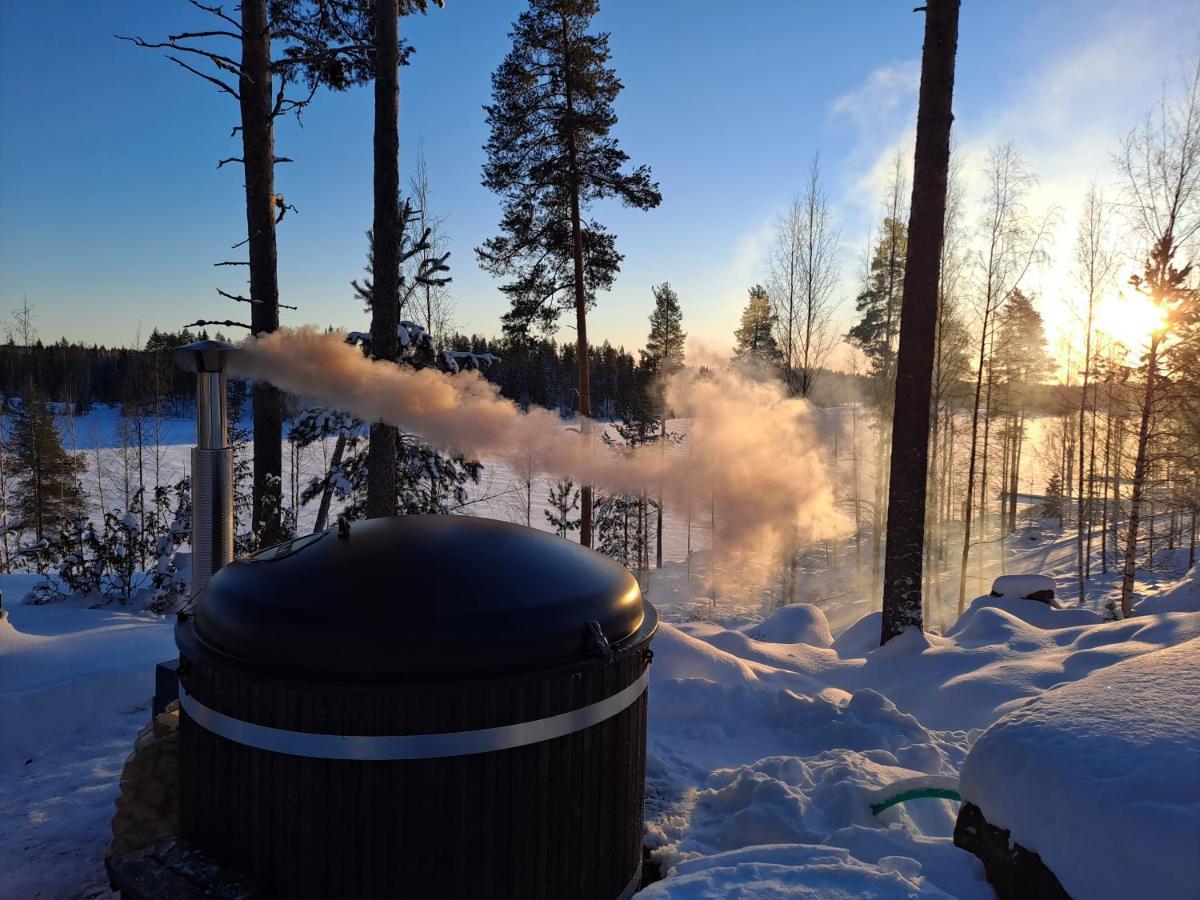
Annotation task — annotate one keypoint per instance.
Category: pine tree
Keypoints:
(755, 338)
(878, 304)
(564, 501)
(1022, 351)
(48, 495)
(550, 156)
(664, 345)
(1053, 506)
(902, 606)
(663, 357)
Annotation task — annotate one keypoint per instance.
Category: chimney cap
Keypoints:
(203, 356)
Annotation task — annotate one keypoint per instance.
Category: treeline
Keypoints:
(84, 375)
(531, 372)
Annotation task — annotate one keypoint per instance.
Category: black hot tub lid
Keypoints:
(418, 596)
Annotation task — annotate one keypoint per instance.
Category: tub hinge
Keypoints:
(602, 643)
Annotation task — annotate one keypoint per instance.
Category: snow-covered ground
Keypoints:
(769, 737)
(771, 732)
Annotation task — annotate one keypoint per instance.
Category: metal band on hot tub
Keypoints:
(410, 746)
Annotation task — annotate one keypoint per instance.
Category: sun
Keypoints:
(1131, 318)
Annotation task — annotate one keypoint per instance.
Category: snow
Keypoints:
(799, 623)
(1034, 612)
(771, 732)
(1021, 585)
(1181, 597)
(75, 686)
(1101, 777)
(798, 870)
(768, 742)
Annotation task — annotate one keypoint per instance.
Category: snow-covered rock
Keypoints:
(1026, 586)
(1101, 777)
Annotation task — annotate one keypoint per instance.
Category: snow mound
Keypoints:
(1032, 612)
(1101, 777)
(861, 638)
(794, 870)
(799, 623)
(1181, 597)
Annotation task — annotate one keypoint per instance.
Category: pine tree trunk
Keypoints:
(918, 325)
(1140, 466)
(585, 393)
(258, 153)
(385, 260)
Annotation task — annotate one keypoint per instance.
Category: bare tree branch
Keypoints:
(229, 159)
(192, 35)
(228, 323)
(219, 13)
(217, 81)
(283, 206)
(240, 299)
(233, 262)
(224, 63)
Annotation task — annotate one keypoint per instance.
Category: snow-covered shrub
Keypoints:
(129, 558)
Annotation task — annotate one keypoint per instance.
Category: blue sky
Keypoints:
(112, 210)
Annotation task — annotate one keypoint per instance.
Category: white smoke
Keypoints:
(755, 457)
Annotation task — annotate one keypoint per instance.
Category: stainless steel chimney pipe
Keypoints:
(212, 460)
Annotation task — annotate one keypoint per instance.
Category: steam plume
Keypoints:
(755, 453)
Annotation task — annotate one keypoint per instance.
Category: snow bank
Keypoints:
(1102, 777)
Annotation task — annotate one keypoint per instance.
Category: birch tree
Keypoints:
(804, 270)
(1094, 260)
(1160, 162)
(1011, 240)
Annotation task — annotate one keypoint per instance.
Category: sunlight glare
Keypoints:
(1130, 318)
